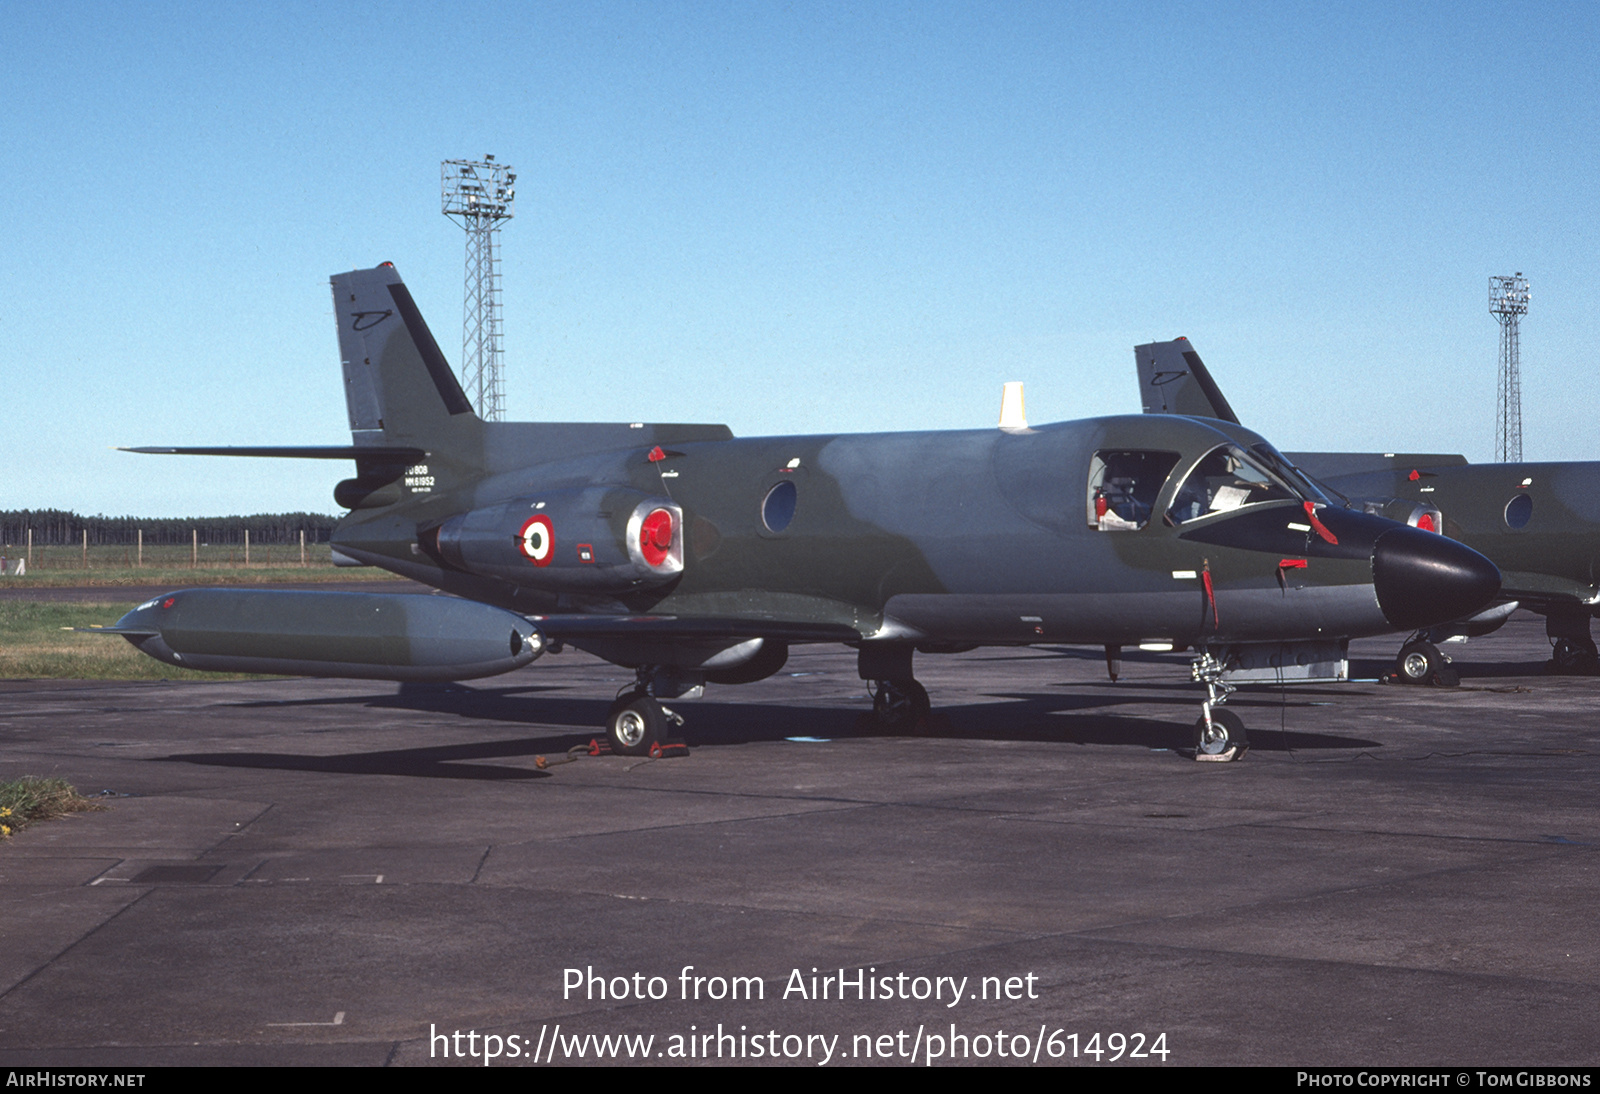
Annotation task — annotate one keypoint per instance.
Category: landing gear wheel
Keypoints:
(1224, 740)
(634, 724)
(1422, 663)
(1571, 658)
(900, 704)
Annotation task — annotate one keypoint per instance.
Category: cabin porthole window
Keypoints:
(1518, 511)
(777, 508)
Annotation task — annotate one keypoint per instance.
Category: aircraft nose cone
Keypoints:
(1422, 578)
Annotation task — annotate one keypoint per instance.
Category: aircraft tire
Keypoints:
(1419, 663)
(1226, 740)
(900, 704)
(1569, 658)
(634, 723)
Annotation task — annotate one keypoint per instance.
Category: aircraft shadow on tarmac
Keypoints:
(439, 762)
(1177, 735)
(1039, 717)
(1360, 668)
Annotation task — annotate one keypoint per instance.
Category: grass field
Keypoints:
(36, 639)
(54, 567)
(34, 645)
(31, 798)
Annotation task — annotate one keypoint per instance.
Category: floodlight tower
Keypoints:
(478, 195)
(1508, 303)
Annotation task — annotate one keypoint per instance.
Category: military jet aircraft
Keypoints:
(1539, 522)
(694, 557)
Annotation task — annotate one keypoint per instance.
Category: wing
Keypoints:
(669, 627)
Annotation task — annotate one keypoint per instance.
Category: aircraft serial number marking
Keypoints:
(418, 481)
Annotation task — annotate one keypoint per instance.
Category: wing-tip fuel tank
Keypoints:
(375, 636)
(694, 557)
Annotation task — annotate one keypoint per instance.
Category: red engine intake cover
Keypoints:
(655, 536)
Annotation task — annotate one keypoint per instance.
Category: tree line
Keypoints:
(58, 527)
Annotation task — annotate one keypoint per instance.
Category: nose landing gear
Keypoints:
(1219, 735)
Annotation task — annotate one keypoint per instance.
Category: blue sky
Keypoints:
(791, 218)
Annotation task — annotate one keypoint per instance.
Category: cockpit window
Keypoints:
(1225, 479)
(1123, 486)
(1279, 464)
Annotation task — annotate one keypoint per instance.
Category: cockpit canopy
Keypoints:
(1126, 485)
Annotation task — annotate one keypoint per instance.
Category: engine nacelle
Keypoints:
(375, 636)
(1485, 622)
(1417, 514)
(595, 539)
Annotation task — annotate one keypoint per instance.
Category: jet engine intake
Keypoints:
(1417, 514)
(1422, 578)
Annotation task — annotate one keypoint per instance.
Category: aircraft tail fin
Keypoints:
(399, 389)
(1173, 380)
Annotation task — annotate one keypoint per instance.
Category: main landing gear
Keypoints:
(1219, 735)
(1572, 650)
(1569, 658)
(637, 721)
(899, 704)
(898, 701)
(1420, 662)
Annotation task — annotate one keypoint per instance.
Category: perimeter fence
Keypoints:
(53, 539)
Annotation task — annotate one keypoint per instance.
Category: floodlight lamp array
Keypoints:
(477, 190)
(1508, 296)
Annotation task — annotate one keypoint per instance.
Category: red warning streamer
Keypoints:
(1288, 564)
(1321, 529)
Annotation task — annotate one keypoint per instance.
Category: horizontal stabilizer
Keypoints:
(385, 453)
